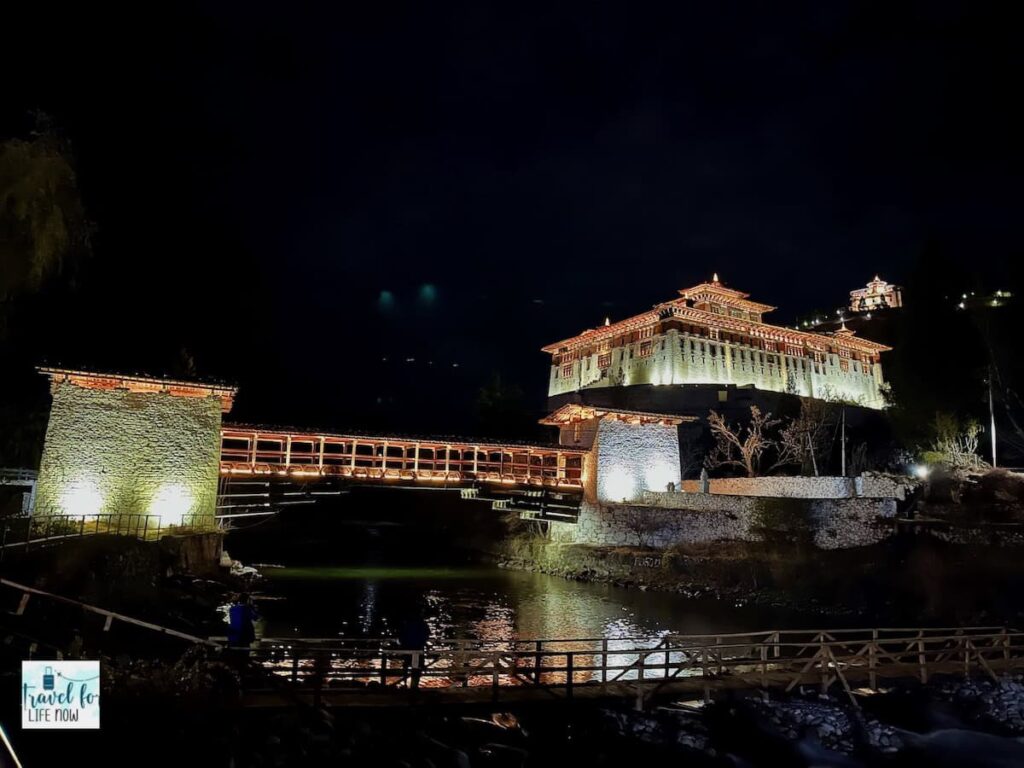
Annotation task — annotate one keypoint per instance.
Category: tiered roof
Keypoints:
(716, 293)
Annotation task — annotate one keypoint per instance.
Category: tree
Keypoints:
(954, 443)
(43, 227)
(806, 438)
(739, 446)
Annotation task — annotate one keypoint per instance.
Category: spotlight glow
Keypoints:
(82, 497)
(172, 503)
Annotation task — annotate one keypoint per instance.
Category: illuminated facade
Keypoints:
(630, 452)
(120, 444)
(878, 294)
(712, 334)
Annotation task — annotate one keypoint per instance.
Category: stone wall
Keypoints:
(871, 485)
(706, 518)
(113, 451)
(634, 458)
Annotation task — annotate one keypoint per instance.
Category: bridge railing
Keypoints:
(10, 476)
(254, 450)
(823, 658)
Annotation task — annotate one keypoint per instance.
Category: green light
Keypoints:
(386, 301)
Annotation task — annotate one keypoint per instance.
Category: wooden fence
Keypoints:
(850, 659)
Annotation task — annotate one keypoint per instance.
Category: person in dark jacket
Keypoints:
(242, 616)
(413, 636)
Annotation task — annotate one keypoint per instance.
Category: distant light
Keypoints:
(868, 315)
(920, 471)
(386, 301)
(428, 293)
(960, 305)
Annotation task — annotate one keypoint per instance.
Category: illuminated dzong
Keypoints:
(712, 335)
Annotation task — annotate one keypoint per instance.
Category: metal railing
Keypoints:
(17, 476)
(43, 530)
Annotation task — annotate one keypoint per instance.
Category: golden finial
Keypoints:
(607, 321)
(714, 279)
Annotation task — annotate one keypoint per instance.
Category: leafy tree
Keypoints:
(44, 231)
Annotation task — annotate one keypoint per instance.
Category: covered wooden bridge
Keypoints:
(260, 450)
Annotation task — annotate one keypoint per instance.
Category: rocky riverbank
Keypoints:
(952, 722)
(905, 578)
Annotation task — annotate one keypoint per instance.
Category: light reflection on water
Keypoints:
(490, 605)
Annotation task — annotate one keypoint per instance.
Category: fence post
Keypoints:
(537, 662)
(568, 673)
(872, 675)
(922, 662)
(764, 665)
(604, 660)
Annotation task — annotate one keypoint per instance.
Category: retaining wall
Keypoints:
(706, 518)
(871, 486)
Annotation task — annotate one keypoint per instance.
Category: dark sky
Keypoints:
(261, 172)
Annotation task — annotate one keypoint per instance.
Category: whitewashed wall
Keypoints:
(679, 358)
(634, 458)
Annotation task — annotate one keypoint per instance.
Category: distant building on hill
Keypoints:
(878, 294)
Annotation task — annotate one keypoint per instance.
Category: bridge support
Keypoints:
(630, 451)
(131, 445)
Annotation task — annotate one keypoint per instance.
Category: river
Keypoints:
(489, 604)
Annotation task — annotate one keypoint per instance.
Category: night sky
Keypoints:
(361, 212)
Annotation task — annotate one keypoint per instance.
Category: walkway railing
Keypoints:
(696, 663)
(43, 530)
(17, 476)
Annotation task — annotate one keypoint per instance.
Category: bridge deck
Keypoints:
(254, 450)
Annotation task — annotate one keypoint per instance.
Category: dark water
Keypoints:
(489, 604)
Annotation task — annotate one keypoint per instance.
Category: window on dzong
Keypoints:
(645, 348)
(567, 370)
(604, 360)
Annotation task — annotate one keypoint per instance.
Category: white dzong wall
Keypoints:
(680, 358)
(633, 458)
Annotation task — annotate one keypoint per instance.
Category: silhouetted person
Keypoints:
(241, 617)
(413, 636)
